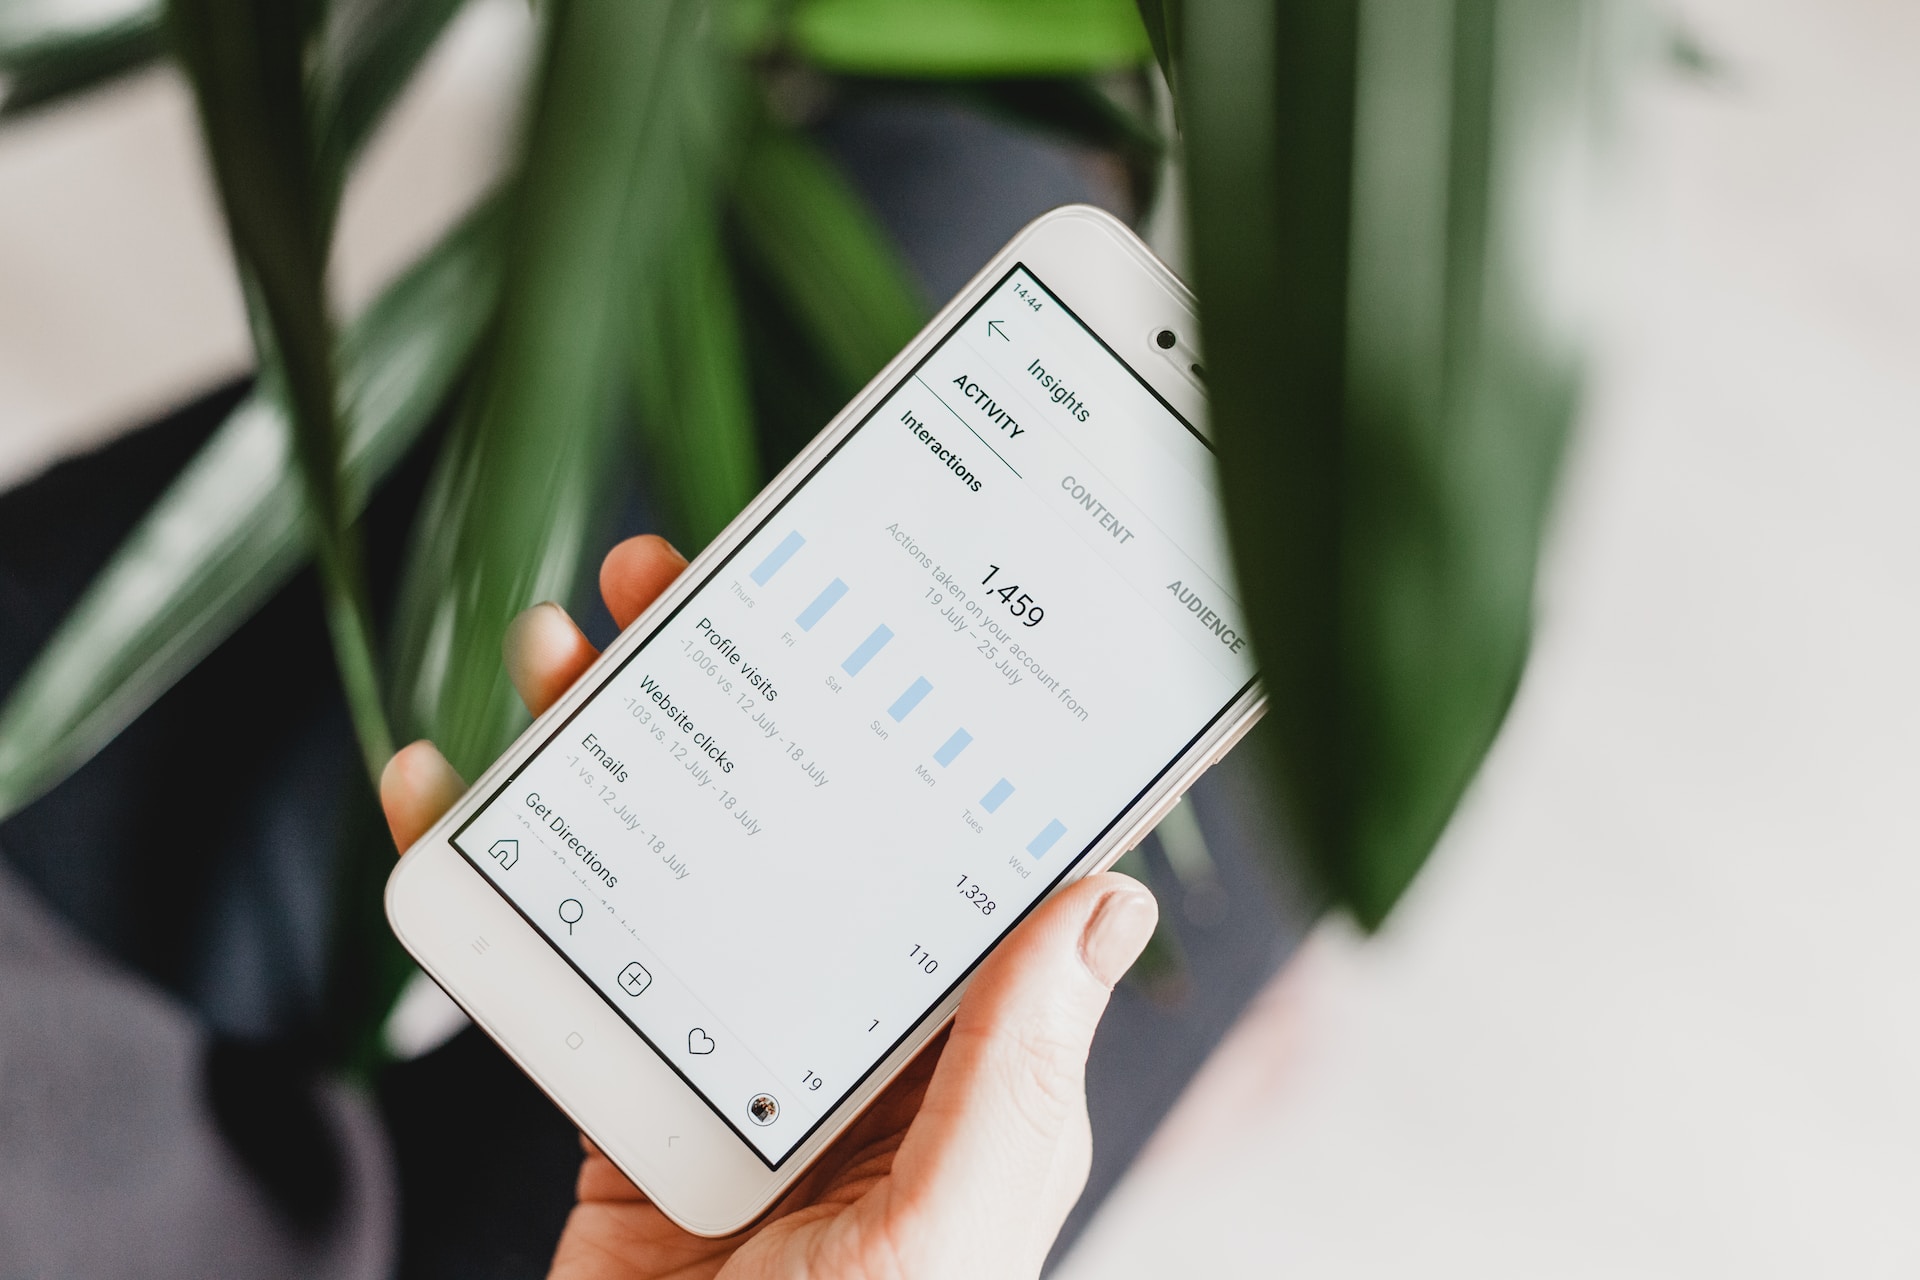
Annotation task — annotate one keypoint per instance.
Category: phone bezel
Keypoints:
(513, 984)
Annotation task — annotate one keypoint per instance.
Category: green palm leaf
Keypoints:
(690, 379)
(1391, 383)
(969, 37)
(247, 61)
(278, 160)
(515, 498)
(833, 266)
(369, 50)
(52, 48)
(230, 530)
(687, 362)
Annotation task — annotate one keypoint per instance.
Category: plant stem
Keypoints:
(348, 625)
(246, 60)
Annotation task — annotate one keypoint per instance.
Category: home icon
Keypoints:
(507, 851)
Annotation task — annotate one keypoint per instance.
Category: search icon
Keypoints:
(570, 913)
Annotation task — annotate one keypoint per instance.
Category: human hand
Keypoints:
(966, 1165)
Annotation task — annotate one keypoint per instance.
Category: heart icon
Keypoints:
(699, 1041)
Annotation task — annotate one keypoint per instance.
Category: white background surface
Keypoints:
(1654, 1010)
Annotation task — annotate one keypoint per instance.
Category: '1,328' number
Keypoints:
(970, 890)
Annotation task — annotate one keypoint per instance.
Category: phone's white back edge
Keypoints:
(559, 1030)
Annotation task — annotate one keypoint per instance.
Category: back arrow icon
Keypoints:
(993, 327)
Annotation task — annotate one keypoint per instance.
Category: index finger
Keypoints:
(546, 652)
(635, 572)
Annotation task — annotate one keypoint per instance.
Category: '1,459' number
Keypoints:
(1019, 603)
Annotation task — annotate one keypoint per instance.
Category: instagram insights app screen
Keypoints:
(829, 781)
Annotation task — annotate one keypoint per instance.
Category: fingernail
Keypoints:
(519, 631)
(1118, 933)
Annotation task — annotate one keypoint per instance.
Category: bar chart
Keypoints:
(876, 641)
(910, 698)
(951, 749)
(778, 557)
(915, 693)
(828, 597)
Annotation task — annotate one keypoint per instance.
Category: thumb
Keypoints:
(1004, 1124)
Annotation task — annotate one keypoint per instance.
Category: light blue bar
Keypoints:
(955, 745)
(907, 701)
(828, 597)
(864, 654)
(996, 797)
(1048, 837)
(777, 557)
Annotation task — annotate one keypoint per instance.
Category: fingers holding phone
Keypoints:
(545, 652)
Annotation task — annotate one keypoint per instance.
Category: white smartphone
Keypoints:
(968, 647)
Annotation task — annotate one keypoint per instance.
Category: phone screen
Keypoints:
(873, 738)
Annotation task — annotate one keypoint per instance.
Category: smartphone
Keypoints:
(970, 645)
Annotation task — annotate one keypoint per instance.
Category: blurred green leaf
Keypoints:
(368, 52)
(247, 62)
(690, 379)
(793, 387)
(1161, 971)
(825, 299)
(969, 37)
(515, 495)
(231, 529)
(821, 248)
(1391, 383)
(52, 48)
(688, 368)
(1162, 21)
(752, 27)
(227, 533)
